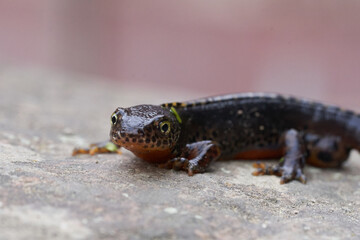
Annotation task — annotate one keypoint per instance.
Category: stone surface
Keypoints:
(47, 194)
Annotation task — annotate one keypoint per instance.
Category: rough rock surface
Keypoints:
(47, 194)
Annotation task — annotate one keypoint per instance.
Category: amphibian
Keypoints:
(190, 135)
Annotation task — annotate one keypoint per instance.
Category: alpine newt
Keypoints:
(190, 135)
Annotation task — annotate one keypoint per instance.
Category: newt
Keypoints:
(191, 135)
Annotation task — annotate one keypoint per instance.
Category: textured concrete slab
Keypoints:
(47, 194)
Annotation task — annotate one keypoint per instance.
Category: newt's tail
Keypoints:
(331, 120)
(352, 132)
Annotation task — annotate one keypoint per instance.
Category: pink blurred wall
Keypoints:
(309, 48)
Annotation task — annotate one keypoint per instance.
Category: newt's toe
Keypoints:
(190, 173)
(78, 151)
(286, 174)
(177, 164)
(263, 169)
(286, 179)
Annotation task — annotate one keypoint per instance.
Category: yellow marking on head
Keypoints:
(183, 105)
(173, 111)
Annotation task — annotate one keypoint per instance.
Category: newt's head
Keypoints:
(150, 132)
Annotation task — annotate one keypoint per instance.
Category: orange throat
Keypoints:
(152, 155)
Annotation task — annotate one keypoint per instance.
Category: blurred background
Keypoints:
(307, 48)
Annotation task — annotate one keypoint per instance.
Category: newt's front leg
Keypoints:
(291, 166)
(97, 148)
(195, 157)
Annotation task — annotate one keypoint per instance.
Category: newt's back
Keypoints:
(256, 121)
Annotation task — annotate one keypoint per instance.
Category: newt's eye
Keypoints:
(165, 127)
(114, 119)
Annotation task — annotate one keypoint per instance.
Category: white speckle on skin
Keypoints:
(257, 114)
(261, 127)
(264, 225)
(125, 195)
(198, 217)
(239, 112)
(171, 210)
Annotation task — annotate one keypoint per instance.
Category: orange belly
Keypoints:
(260, 154)
(154, 156)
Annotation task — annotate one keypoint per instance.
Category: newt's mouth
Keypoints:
(137, 142)
(144, 148)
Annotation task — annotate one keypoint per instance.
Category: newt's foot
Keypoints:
(98, 148)
(291, 165)
(196, 157)
(285, 173)
(191, 166)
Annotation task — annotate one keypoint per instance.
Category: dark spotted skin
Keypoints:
(240, 126)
